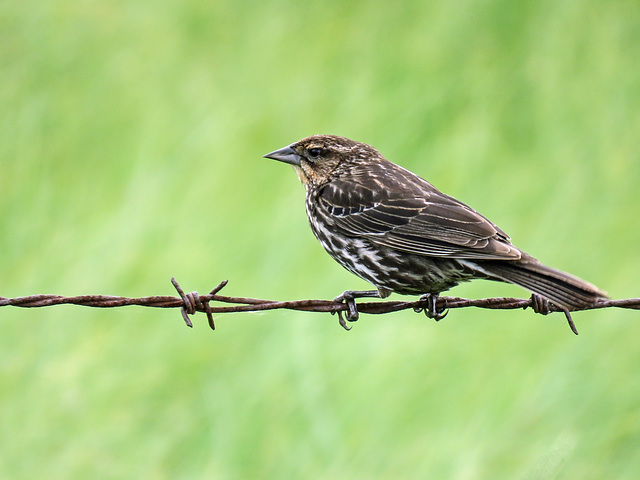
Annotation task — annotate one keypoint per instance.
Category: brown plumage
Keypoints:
(401, 234)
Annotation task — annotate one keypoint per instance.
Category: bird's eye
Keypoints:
(315, 152)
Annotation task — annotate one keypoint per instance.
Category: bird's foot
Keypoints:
(540, 305)
(432, 310)
(348, 297)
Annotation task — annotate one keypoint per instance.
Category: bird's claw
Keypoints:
(351, 313)
(540, 305)
(341, 320)
(348, 297)
(432, 310)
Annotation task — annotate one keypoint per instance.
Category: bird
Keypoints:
(401, 234)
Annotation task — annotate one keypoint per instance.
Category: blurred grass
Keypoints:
(130, 143)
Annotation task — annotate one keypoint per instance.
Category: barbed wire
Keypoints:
(190, 303)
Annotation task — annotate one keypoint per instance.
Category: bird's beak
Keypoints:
(286, 155)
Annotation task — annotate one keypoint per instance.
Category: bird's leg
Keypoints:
(348, 297)
(432, 310)
(540, 305)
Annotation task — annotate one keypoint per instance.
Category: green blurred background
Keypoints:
(131, 136)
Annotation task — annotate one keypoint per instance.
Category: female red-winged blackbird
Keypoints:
(398, 232)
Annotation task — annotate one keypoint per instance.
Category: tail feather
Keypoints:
(561, 288)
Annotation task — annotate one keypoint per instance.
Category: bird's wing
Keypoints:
(426, 222)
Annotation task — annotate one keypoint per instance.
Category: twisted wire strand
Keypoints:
(190, 303)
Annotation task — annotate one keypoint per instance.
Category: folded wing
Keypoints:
(420, 220)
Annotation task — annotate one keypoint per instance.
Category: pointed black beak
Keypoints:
(286, 155)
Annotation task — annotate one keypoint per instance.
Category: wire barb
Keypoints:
(189, 302)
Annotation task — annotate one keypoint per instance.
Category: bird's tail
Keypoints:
(561, 288)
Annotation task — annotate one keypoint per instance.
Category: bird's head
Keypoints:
(320, 158)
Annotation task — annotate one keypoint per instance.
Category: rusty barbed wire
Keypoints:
(190, 303)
